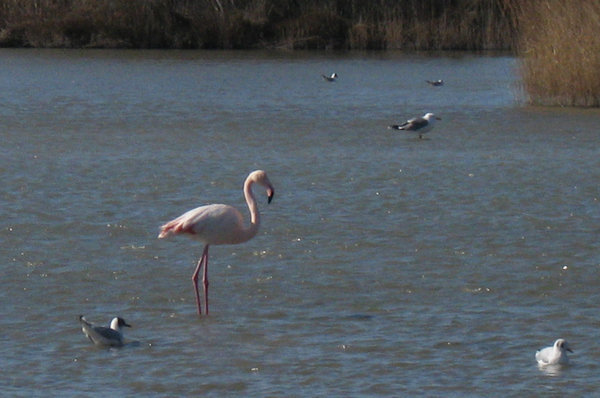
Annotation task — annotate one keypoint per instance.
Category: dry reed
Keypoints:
(560, 52)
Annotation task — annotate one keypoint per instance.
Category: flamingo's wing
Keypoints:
(214, 224)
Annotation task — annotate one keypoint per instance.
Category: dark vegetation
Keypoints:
(243, 24)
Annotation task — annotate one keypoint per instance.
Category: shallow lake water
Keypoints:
(386, 265)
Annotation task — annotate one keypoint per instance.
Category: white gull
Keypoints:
(557, 354)
(103, 336)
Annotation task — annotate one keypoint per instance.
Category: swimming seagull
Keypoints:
(104, 336)
(420, 125)
(435, 83)
(331, 78)
(557, 354)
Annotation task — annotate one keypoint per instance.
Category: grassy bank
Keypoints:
(559, 49)
(241, 24)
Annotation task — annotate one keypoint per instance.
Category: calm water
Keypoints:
(385, 265)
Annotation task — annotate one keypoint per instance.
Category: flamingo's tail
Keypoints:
(170, 228)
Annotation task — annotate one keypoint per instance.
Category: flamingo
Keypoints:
(218, 224)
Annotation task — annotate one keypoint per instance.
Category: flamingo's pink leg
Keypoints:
(205, 280)
(202, 262)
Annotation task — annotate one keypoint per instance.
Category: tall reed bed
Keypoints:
(559, 48)
(293, 24)
(448, 25)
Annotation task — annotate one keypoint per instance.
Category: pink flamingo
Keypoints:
(218, 224)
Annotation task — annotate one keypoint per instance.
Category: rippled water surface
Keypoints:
(385, 265)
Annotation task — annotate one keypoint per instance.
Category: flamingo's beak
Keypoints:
(270, 194)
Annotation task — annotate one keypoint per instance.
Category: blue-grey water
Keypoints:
(385, 265)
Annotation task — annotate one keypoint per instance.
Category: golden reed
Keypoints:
(559, 48)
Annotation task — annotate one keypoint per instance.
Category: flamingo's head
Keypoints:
(260, 177)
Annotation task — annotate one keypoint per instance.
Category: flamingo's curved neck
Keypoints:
(251, 231)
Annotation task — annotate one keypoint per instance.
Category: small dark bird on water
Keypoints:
(331, 78)
(435, 83)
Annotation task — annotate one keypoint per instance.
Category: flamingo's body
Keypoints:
(219, 224)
